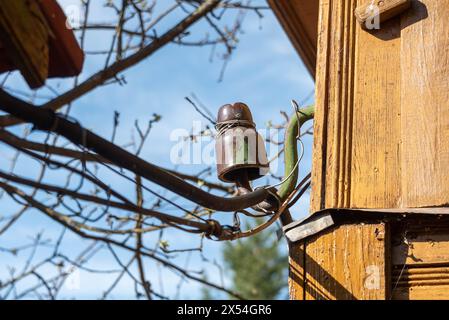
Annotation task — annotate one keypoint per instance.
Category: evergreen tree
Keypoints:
(259, 269)
(206, 292)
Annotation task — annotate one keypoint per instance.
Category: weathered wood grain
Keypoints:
(25, 35)
(387, 9)
(297, 276)
(420, 261)
(382, 119)
(345, 263)
(318, 194)
(425, 104)
(376, 132)
(422, 247)
(357, 125)
(420, 282)
(334, 100)
(381, 140)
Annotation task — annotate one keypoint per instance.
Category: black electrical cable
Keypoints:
(48, 120)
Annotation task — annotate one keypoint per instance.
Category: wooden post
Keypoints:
(347, 262)
(381, 142)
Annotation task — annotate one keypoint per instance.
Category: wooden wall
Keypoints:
(381, 141)
(382, 120)
(420, 261)
(344, 263)
(400, 259)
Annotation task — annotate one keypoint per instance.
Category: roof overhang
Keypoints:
(36, 39)
(299, 18)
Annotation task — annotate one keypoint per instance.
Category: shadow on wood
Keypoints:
(347, 262)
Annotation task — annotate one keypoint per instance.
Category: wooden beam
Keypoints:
(420, 260)
(66, 56)
(25, 37)
(382, 109)
(386, 9)
(345, 263)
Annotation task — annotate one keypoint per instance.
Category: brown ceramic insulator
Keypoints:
(240, 150)
(235, 112)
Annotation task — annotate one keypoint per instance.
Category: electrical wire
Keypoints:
(296, 108)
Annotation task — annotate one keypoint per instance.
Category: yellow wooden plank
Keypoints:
(440, 292)
(317, 199)
(334, 103)
(357, 126)
(296, 271)
(425, 104)
(376, 131)
(419, 282)
(345, 263)
(420, 259)
(426, 246)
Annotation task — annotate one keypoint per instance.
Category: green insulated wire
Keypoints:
(291, 150)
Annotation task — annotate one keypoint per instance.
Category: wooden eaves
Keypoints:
(36, 40)
(299, 18)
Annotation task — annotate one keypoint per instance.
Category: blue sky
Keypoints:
(265, 72)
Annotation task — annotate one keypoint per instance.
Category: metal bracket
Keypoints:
(325, 219)
(310, 226)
